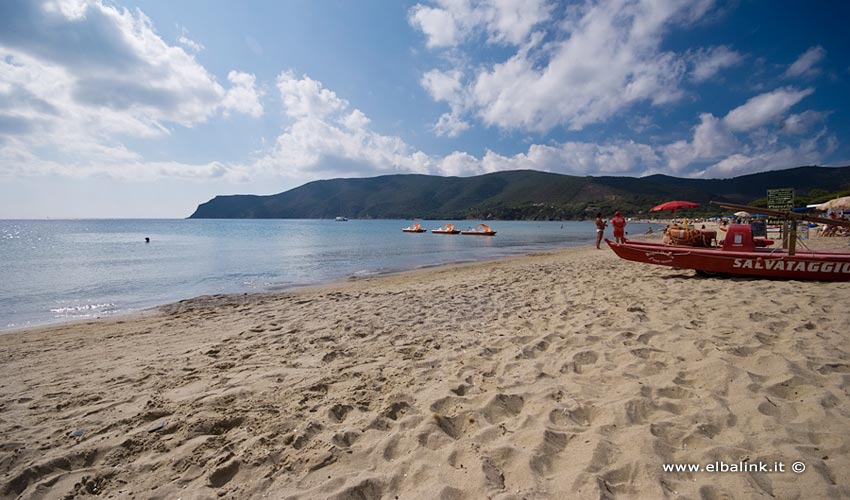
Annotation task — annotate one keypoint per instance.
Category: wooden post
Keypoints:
(784, 233)
(792, 236)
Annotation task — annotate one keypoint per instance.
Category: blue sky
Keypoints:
(143, 108)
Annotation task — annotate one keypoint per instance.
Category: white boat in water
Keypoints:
(341, 219)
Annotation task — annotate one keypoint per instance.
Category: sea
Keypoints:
(59, 270)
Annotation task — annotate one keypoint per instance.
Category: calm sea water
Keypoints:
(54, 271)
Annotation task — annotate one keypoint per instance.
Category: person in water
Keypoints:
(619, 224)
(600, 229)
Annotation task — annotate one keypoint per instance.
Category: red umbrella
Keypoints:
(674, 205)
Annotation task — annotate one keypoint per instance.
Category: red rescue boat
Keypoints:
(740, 255)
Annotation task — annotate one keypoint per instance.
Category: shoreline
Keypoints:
(294, 289)
(276, 289)
(207, 259)
(568, 373)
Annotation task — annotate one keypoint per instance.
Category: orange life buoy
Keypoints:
(683, 236)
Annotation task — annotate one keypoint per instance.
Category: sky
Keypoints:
(147, 108)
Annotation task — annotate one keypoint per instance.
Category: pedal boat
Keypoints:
(480, 230)
(447, 229)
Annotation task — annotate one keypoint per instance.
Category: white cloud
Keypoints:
(581, 158)
(190, 44)
(107, 162)
(312, 148)
(452, 22)
(709, 62)
(802, 122)
(446, 86)
(461, 164)
(603, 58)
(78, 78)
(442, 85)
(765, 108)
(187, 42)
(711, 140)
(450, 125)
(326, 138)
(805, 65)
(356, 120)
(512, 21)
(437, 24)
(323, 141)
(747, 140)
(307, 98)
(808, 152)
(243, 96)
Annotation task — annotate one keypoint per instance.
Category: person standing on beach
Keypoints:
(619, 224)
(600, 229)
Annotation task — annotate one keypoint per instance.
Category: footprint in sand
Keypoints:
(834, 368)
(366, 489)
(461, 390)
(602, 456)
(638, 411)
(581, 416)
(338, 412)
(713, 493)
(794, 388)
(345, 439)
(543, 461)
(396, 410)
(582, 359)
(674, 393)
(447, 404)
(619, 481)
(494, 477)
(646, 352)
(301, 440)
(501, 407)
(453, 426)
(778, 410)
(222, 475)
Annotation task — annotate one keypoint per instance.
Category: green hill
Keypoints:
(521, 194)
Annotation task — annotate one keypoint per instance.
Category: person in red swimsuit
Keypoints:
(619, 224)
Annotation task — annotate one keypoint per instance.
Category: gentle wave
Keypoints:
(84, 308)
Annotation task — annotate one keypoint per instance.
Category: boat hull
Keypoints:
(414, 230)
(479, 233)
(437, 231)
(820, 266)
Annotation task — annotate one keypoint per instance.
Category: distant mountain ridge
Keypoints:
(510, 195)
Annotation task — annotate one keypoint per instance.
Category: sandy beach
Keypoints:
(570, 374)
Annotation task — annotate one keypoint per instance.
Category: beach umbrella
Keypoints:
(742, 214)
(842, 203)
(673, 206)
